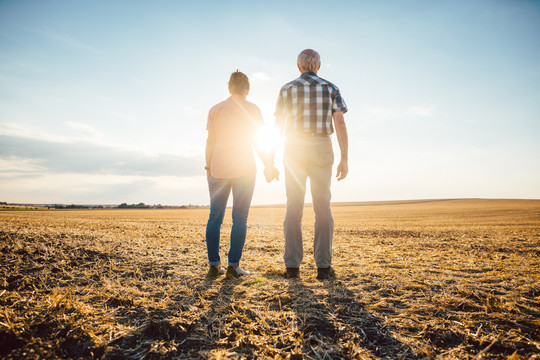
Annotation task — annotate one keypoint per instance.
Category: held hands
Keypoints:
(271, 173)
(342, 170)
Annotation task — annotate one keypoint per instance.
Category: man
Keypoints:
(308, 110)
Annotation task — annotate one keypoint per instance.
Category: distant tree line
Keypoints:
(134, 206)
(159, 206)
(73, 206)
(121, 206)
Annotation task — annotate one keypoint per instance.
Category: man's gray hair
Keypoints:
(309, 60)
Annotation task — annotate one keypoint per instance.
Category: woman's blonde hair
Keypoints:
(238, 83)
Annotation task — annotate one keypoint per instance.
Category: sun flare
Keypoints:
(268, 139)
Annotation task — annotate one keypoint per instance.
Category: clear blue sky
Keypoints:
(106, 101)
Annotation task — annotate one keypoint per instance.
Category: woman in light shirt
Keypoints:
(230, 167)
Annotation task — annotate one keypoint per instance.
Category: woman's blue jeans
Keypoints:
(242, 190)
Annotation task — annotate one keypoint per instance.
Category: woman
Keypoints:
(230, 166)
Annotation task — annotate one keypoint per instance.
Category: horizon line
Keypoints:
(334, 203)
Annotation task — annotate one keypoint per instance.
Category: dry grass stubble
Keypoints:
(443, 279)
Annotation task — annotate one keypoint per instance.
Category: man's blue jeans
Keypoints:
(242, 190)
(309, 157)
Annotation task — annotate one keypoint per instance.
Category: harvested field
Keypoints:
(453, 279)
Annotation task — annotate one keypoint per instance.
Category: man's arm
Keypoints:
(279, 125)
(210, 146)
(343, 140)
(270, 172)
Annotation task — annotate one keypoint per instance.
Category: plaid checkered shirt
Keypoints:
(306, 105)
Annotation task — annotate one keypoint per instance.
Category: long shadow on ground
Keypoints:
(177, 333)
(337, 326)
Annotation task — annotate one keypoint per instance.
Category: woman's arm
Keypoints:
(210, 146)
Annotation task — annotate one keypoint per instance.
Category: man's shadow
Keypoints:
(206, 331)
(337, 325)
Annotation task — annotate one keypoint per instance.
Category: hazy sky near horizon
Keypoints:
(106, 101)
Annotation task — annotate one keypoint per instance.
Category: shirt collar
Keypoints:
(308, 73)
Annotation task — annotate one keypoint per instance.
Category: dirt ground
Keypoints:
(445, 279)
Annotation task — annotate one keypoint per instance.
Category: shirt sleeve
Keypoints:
(338, 104)
(281, 108)
(258, 116)
(280, 105)
(209, 121)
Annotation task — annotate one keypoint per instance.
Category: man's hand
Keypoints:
(342, 170)
(343, 140)
(271, 173)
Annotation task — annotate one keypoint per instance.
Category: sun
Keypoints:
(267, 139)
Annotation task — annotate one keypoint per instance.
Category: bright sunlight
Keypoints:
(268, 138)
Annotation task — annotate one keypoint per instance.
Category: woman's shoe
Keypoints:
(215, 271)
(235, 272)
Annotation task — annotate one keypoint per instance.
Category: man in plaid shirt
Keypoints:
(308, 110)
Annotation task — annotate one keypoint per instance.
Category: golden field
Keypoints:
(439, 279)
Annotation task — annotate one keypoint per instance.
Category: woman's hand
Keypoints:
(271, 173)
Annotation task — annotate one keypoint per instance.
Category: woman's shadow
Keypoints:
(199, 330)
(335, 324)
